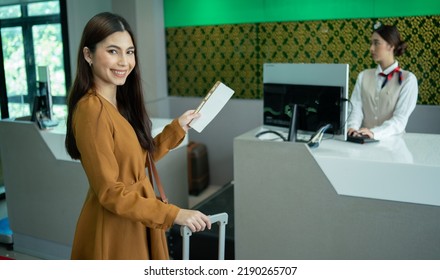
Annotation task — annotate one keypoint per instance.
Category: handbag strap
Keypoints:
(153, 170)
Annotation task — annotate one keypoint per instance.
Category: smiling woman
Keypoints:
(111, 61)
(109, 130)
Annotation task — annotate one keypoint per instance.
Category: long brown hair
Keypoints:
(129, 96)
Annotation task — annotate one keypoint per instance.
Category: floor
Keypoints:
(6, 252)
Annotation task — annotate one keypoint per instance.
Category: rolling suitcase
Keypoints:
(198, 167)
(222, 220)
(219, 202)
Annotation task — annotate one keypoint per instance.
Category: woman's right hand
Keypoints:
(186, 118)
(193, 219)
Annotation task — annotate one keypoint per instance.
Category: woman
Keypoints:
(108, 129)
(383, 98)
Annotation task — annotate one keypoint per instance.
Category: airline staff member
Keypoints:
(383, 98)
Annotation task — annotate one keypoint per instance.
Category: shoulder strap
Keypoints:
(156, 179)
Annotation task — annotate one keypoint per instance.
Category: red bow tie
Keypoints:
(389, 76)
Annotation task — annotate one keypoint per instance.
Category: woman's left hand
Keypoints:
(186, 118)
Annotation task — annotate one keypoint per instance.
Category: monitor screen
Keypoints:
(317, 105)
(317, 89)
(42, 107)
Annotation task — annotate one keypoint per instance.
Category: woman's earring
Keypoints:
(90, 63)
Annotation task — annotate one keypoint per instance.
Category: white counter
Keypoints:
(55, 137)
(403, 168)
(338, 201)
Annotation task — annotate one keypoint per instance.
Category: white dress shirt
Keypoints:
(405, 104)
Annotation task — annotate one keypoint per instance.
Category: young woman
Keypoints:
(109, 131)
(383, 98)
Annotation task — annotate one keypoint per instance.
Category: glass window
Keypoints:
(12, 11)
(44, 8)
(48, 48)
(15, 69)
(32, 36)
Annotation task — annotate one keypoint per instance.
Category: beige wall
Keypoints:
(146, 20)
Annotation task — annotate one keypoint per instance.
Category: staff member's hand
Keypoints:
(366, 131)
(360, 132)
(352, 132)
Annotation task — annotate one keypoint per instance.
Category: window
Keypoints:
(33, 33)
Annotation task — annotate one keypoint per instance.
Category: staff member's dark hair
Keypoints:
(390, 34)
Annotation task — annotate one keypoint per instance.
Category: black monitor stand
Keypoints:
(42, 111)
(292, 137)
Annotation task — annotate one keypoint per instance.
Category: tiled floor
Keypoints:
(15, 255)
(4, 250)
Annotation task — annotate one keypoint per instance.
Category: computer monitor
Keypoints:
(316, 107)
(320, 92)
(42, 112)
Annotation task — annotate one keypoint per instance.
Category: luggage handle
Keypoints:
(222, 220)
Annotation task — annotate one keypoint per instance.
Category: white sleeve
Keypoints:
(356, 114)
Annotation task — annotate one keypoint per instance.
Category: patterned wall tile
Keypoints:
(235, 54)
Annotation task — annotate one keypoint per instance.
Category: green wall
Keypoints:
(179, 13)
(205, 43)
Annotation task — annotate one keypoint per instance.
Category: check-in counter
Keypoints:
(45, 188)
(341, 200)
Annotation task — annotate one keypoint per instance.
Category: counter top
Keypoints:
(410, 148)
(404, 168)
(55, 137)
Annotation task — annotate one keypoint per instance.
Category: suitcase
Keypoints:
(203, 244)
(222, 220)
(198, 168)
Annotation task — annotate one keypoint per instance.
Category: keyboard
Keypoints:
(47, 123)
(361, 139)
